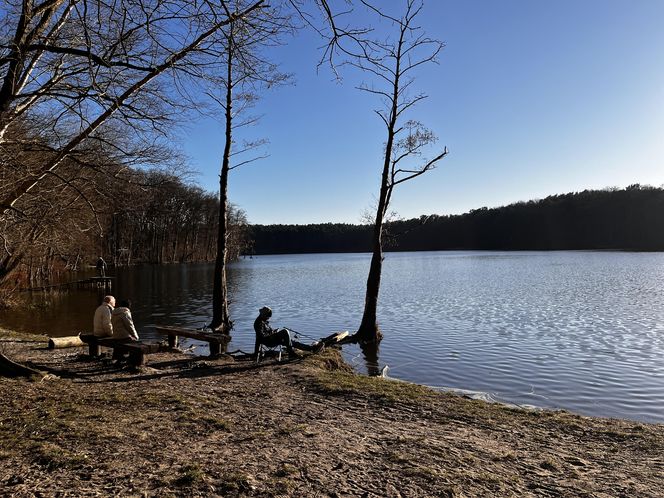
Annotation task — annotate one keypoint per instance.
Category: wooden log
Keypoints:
(10, 368)
(73, 341)
(334, 338)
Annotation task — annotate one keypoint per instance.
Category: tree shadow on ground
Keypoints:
(190, 367)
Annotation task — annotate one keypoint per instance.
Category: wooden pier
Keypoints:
(95, 283)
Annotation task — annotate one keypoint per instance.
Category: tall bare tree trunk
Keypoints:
(368, 331)
(393, 61)
(220, 317)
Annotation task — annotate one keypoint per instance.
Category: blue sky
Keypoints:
(532, 98)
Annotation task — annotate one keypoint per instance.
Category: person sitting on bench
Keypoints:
(123, 324)
(123, 327)
(102, 326)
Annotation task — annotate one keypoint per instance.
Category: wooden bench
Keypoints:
(136, 349)
(216, 341)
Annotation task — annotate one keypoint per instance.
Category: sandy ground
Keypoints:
(200, 427)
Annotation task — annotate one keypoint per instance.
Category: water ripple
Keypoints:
(577, 330)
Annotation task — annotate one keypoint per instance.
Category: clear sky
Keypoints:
(532, 98)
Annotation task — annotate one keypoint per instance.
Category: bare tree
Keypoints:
(71, 71)
(391, 65)
(247, 74)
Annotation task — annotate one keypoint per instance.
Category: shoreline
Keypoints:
(224, 427)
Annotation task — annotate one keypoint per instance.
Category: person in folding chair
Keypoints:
(272, 338)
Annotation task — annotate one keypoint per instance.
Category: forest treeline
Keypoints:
(631, 218)
(126, 214)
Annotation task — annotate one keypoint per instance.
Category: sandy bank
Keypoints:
(200, 427)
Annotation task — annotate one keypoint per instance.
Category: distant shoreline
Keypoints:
(630, 219)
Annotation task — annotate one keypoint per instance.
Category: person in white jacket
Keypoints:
(123, 324)
(102, 326)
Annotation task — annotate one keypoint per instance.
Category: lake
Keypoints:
(577, 330)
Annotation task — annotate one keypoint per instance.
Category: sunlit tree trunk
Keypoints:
(220, 317)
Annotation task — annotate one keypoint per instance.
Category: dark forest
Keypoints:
(618, 219)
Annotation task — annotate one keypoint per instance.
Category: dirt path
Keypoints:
(187, 427)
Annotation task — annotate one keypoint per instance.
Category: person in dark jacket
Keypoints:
(101, 267)
(270, 337)
(265, 334)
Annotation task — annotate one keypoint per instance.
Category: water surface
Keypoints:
(576, 330)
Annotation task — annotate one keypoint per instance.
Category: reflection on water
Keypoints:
(579, 330)
(370, 352)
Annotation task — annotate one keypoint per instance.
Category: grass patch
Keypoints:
(13, 335)
(190, 475)
(281, 487)
(396, 457)
(232, 483)
(53, 457)
(344, 382)
(421, 472)
(290, 429)
(550, 465)
(211, 422)
(329, 360)
(332, 375)
(287, 470)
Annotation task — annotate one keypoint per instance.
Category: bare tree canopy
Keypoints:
(90, 87)
(71, 68)
(390, 67)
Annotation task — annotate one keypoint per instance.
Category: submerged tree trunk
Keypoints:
(393, 61)
(368, 331)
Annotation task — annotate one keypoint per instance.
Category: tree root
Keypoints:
(9, 368)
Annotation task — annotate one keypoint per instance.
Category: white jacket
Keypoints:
(123, 325)
(102, 321)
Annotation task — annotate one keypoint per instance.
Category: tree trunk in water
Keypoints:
(368, 331)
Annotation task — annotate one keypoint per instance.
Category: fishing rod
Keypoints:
(297, 333)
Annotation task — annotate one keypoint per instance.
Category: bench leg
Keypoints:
(137, 358)
(172, 341)
(93, 349)
(215, 348)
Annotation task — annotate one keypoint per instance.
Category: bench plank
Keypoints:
(214, 339)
